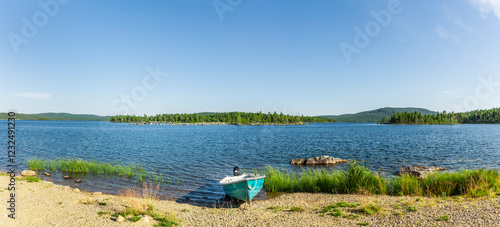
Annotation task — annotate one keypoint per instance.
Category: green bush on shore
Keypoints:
(359, 179)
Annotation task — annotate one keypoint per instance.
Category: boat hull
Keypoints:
(245, 190)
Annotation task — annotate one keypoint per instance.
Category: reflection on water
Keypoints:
(195, 158)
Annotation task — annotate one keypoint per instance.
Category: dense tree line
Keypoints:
(491, 116)
(230, 118)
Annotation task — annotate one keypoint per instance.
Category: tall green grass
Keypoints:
(130, 171)
(357, 178)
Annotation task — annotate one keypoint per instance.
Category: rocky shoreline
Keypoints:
(46, 204)
(320, 160)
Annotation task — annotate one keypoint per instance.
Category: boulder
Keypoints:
(78, 181)
(67, 177)
(120, 218)
(298, 161)
(146, 218)
(320, 160)
(26, 173)
(419, 171)
(47, 174)
(76, 190)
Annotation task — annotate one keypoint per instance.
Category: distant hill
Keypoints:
(376, 115)
(57, 117)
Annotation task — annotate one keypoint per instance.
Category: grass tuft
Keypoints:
(297, 209)
(370, 209)
(135, 218)
(443, 218)
(30, 179)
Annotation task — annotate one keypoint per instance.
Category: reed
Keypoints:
(82, 166)
(357, 178)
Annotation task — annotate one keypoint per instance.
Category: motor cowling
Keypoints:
(236, 171)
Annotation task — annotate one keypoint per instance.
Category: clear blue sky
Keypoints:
(248, 55)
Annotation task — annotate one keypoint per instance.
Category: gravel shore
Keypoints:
(46, 204)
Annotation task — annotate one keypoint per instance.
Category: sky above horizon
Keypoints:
(187, 56)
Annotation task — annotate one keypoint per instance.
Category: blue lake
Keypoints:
(195, 158)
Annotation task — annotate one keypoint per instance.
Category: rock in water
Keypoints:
(298, 161)
(67, 177)
(26, 173)
(47, 174)
(78, 181)
(320, 160)
(419, 171)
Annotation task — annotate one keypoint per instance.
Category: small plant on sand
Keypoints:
(443, 218)
(336, 212)
(168, 219)
(351, 216)
(370, 209)
(30, 179)
(185, 210)
(135, 218)
(101, 213)
(297, 209)
(338, 204)
(364, 223)
(102, 204)
(411, 209)
(274, 208)
(59, 203)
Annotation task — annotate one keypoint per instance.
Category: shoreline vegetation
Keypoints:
(130, 171)
(230, 118)
(67, 206)
(359, 179)
(490, 116)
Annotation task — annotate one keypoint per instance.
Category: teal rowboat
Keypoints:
(243, 187)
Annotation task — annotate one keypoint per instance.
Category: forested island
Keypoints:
(491, 116)
(236, 118)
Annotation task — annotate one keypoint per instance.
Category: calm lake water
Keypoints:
(195, 158)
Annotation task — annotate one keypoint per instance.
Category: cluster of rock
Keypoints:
(419, 171)
(320, 160)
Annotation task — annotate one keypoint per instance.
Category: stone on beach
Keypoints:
(120, 218)
(419, 171)
(97, 193)
(320, 160)
(146, 218)
(26, 173)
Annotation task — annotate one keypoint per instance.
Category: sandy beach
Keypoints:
(46, 204)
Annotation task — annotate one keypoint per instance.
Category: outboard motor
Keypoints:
(236, 171)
